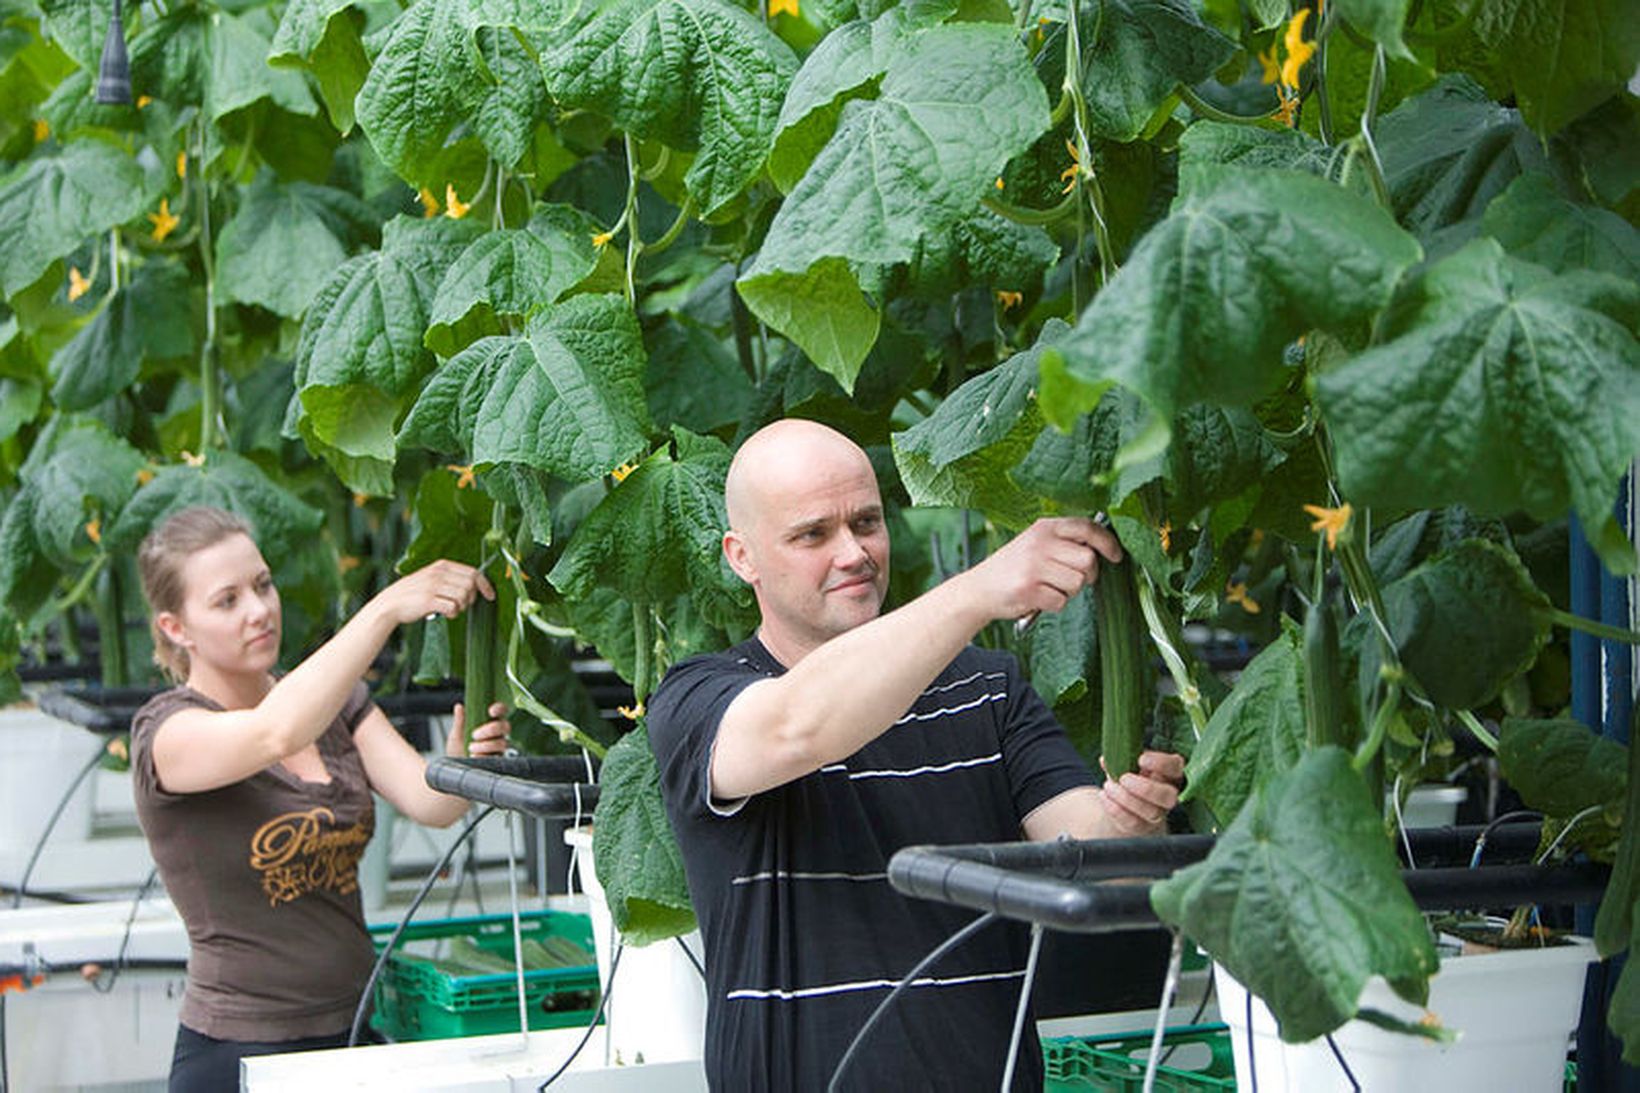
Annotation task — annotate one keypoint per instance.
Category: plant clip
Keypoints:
(114, 69)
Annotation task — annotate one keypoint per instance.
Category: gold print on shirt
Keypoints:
(302, 852)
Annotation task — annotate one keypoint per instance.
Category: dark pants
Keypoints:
(201, 1064)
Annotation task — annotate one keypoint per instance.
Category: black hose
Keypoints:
(56, 814)
(603, 1001)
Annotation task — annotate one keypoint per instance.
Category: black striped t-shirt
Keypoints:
(804, 935)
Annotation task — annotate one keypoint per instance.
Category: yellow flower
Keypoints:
(145, 475)
(454, 207)
(429, 203)
(1272, 67)
(602, 239)
(182, 164)
(999, 183)
(1237, 593)
(42, 130)
(360, 500)
(116, 747)
(631, 713)
(93, 529)
(1008, 300)
(1287, 112)
(521, 574)
(193, 460)
(1165, 534)
(77, 284)
(1298, 50)
(165, 222)
(778, 6)
(464, 475)
(1331, 521)
(1069, 175)
(144, 100)
(619, 473)
(346, 563)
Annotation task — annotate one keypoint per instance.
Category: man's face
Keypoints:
(817, 552)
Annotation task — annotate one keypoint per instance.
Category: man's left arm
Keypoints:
(1135, 804)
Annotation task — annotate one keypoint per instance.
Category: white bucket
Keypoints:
(657, 1006)
(40, 757)
(1514, 1012)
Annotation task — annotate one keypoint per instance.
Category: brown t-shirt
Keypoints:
(265, 875)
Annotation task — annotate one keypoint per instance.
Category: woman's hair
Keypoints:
(162, 560)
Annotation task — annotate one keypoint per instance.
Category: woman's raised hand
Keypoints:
(490, 738)
(443, 588)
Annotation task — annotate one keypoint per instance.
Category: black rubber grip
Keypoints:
(552, 787)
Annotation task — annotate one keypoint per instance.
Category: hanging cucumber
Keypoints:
(1323, 689)
(1121, 667)
(480, 675)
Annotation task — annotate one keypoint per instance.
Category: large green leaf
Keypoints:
(841, 67)
(1256, 734)
(1532, 220)
(360, 359)
(284, 524)
(1092, 468)
(1136, 52)
(1062, 650)
(511, 273)
(658, 535)
(693, 380)
(27, 577)
(76, 471)
(700, 75)
(639, 864)
(1507, 387)
(960, 455)
(282, 233)
(955, 105)
(79, 27)
(322, 38)
(57, 198)
(1465, 623)
(148, 319)
(566, 397)
(214, 60)
(1208, 147)
(1449, 151)
(449, 521)
(1561, 767)
(1561, 58)
(1301, 900)
(1380, 20)
(1206, 302)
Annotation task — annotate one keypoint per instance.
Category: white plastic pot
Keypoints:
(657, 1007)
(40, 757)
(1514, 1011)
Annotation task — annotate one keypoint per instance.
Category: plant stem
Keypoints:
(741, 321)
(1473, 724)
(1369, 115)
(1602, 630)
(634, 245)
(1322, 33)
(1368, 751)
(82, 585)
(207, 353)
(1212, 113)
(110, 612)
(1163, 633)
(1022, 16)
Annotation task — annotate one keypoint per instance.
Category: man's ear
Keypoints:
(171, 627)
(739, 557)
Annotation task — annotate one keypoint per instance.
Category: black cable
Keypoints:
(97, 984)
(609, 989)
(1355, 1086)
(692, 958)
(1486, 832)
(56, 814)
(923, 965)
(398, 931)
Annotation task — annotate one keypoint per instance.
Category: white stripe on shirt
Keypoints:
(747, 993)
(963, 681)
(942, 768)
(944, 711)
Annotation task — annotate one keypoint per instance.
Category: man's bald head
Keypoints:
(782, 457)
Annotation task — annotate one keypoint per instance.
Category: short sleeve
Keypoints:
(357, 705)
(683, 718)
(144, 724)
(1042, 762)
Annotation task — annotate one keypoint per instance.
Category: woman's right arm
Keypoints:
(196, 749)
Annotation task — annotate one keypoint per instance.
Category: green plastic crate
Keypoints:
(417, 1001)
(1116, 1064)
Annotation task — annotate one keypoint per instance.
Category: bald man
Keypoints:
(796, 763)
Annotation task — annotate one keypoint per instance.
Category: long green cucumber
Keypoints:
(1121, 667)
(479, 689)
(1323, 687)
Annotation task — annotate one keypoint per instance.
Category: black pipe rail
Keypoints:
(548, 786)
(1098, 886)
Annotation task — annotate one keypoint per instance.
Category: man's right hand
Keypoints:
(1042, 567)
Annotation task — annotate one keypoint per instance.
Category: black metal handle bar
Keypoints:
(551, 786)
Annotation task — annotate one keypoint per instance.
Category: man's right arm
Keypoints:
(852, 688)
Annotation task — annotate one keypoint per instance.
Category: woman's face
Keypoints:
(230, 610)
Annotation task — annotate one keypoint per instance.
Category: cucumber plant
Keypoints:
(508, 283)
